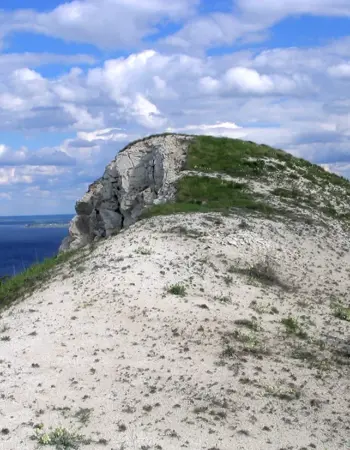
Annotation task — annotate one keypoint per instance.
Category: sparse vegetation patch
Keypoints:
(59, 438)
(292, 326)
(342, 313)
(177, 289)
(25, 282)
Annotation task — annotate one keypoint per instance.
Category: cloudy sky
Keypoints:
(80, 79)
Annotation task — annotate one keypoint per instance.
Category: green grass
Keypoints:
(248, 160)
(31, 278)
(230, 156)
(205, 194)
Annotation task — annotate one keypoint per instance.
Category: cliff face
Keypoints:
(141, 175)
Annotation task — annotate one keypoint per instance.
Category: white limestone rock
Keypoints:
(142, 174)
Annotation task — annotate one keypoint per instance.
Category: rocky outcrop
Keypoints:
(142, 174)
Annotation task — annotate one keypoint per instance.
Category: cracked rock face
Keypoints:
(142, 174)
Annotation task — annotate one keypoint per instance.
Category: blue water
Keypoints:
(20, 247)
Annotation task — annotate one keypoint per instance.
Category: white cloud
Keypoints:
(340, 70)
(82, 119)
(249, 21)
(12, 175)
(278, 9)
(249, 81)
(36, 191)
(107, 134)
(11, 102)
(218, 127)
(275, 136)
(105, 23)
(12, 61)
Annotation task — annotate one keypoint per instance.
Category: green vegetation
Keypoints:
(265, 272)
(205, 194)
(233, 156)
(60, 438)
(25, 282)
(292, 326)
(342, 313)
(282, 393)
(249, 343)
(177, 289)
(254, 162)
(251, 324)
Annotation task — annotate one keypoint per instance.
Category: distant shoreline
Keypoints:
(46, 225)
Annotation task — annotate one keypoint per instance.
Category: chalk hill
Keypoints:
(211, 313)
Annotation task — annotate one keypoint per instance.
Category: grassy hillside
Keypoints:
(24, 283)
(224, 174)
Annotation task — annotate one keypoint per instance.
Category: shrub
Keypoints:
(177, 289)
(292, 326)
(343, 313)
(60, 438)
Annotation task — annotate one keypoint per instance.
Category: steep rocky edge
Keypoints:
(176, 173)
(141, 174)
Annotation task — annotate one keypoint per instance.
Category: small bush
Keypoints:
(250, 344)
(143, 251)
(251, 324)
(292, 326)
(60, 438)
(83, 415)
(265, 272)
(342, 313)
(288, 394)
(177, 289)
(244, 225)
(228, 352)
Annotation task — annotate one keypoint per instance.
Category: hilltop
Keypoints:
(214, 315)
(169, 173)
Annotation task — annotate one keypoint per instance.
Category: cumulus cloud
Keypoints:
(105, 23)
(14, 175)
(243, 80)
(121, 24)
(122, 88)
(340, 71)
(138, 90)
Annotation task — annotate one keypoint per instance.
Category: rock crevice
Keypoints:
(142, 174)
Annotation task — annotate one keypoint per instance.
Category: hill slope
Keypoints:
(225, 329)
(178, 173)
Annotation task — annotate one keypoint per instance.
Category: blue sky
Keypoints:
(80, 79)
